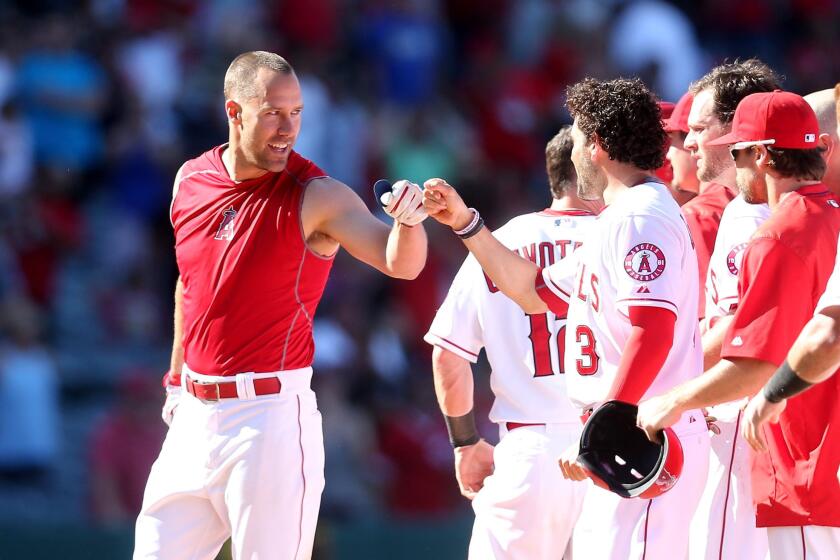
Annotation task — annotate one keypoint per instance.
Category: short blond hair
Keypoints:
(240, 78)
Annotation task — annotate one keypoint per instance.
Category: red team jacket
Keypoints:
(702, 215)
(251, 285)
(785, 270)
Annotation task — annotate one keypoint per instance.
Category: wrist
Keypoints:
(680, 402)
(784, 384)
(464, 219)
(462, 430)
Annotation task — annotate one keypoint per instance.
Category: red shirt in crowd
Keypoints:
(785, 270)
(251, 284)
(702, 214)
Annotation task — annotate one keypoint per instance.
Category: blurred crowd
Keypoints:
(102, 100)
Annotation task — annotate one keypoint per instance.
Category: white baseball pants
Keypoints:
(526, 509)
(252, 470)
(724, 524)
(812, 542)
(614, 528)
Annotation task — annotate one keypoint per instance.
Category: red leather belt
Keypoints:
(513, 425)
(227, 389)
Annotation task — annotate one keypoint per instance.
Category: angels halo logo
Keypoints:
(644, 262)
(225, 231)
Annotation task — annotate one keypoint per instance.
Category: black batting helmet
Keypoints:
(620, 457)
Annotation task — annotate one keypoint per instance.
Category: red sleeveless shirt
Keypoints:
(251, 285)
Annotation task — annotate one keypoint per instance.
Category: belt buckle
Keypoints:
(209, 399)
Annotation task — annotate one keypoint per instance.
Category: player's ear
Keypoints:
(764, 158)
(825, 141)
(233, 111)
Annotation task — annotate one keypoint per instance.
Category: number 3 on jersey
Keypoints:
(587, 364)
(541, 344)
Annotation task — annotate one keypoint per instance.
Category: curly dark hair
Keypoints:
(625, 117)
(733, 81)
(558, 163)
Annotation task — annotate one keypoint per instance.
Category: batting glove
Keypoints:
(173, 397)
(404, 203)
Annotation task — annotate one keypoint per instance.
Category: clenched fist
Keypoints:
(444, 204)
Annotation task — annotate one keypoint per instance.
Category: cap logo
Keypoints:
(810, 137)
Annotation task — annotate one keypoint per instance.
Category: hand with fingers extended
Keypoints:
(444, 204)
(473, 463)
(759, 411)
(569, 465)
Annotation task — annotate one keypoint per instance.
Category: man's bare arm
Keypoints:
(512, 274)
(816, 353)
(713, 341)
(453, 382)
(176, 362)
(333, 210)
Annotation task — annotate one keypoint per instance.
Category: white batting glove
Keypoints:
(405, 203)
(173, 397)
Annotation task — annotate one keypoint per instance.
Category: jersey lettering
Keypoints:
(490, 285)
(595, 298)
(580, 295)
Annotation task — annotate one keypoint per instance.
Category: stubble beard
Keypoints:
(710, 168)
(591, 182)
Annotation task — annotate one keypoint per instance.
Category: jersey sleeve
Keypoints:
(554, 283)
(648, 263)
(831, 296)
(456, 326)
(774, 303)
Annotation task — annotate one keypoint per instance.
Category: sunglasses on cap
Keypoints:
(737, 147)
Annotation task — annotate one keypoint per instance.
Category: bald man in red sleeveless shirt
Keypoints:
(257, 227)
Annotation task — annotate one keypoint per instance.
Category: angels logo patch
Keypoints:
(645, 262)
(735, 257)
(225, 230)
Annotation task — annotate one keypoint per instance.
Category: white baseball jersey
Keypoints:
(525, 351)
(739, 221)
(831, 295)
(639, 253)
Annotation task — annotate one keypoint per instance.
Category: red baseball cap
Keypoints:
(779, 118)
(678, 121)
(666, 108)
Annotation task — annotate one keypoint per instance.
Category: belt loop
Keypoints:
(245, 387)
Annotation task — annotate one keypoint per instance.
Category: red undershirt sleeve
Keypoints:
(650, 341)
(555, 298)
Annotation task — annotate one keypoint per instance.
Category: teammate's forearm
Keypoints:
(713, 341)
(816, 353)
(512, 274)
(453, 382)
(405, 252)
(177, 360)
(729, 380)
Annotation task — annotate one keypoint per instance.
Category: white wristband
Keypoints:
(472, 223)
